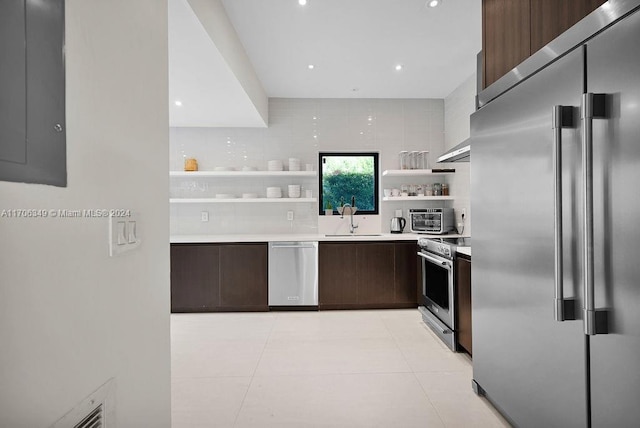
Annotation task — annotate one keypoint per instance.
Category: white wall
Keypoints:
(71, 317)
(458, 106)
(339, 125)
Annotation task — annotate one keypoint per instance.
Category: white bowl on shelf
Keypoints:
(249, 196)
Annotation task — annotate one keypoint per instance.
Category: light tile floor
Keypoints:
(379, 368)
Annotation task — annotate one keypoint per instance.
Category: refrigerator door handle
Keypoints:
(562, 117)
(593, 106)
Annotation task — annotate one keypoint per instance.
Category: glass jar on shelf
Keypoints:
(403, 156)
(413, 156)
(437, 189)
(445, 189)
(428, 190)
(424, 160)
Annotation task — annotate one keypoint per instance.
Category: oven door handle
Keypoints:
(436, 261)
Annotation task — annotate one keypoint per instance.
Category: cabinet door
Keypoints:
(375, 273)
(505, 36)
(406, 273)
(194, 277)
(243, 277)
(337, 275)
(550, 18)
(463, 301)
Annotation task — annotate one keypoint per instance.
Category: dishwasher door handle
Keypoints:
(291, 246)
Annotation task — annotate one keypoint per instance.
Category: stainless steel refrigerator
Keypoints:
(555, 173)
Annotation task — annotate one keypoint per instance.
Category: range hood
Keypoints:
(459, 153)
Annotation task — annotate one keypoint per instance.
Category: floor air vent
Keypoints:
(95, 411)
(93, 420)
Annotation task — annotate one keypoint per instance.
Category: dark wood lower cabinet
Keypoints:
(336, 275)
(407, 273)
(367, 275)
(195, 281)
(463, 301)
(375, 268)
(243, 277)
(234, 277)
(219, 277)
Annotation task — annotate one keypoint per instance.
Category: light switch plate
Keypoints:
(124, 232)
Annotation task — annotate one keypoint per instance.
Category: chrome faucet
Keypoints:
(353, 227)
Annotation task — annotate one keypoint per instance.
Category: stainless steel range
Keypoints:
(437, 299)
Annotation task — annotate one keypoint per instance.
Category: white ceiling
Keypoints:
(201, 77)
(355, 44)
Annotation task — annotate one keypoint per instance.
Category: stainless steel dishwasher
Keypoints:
(293, 274)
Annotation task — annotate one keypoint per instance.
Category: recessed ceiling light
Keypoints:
(433, 3)
(178, 103)
(311, 66)
(399, 67)
(302, 2)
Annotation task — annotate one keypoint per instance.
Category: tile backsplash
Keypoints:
(299, 128)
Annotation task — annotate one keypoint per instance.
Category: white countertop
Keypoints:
(464, 250)
(186, 239)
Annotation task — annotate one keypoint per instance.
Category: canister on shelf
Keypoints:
(437, 189)
(424, 160)
(413, 157)
(428, 190)
(445, 189)
(404, 159)
(190, 164)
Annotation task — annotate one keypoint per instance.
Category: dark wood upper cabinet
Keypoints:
(194, 277)
(505, 36)
(513, 30)
(550, 18)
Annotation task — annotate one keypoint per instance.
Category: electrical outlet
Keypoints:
(464, 212)
(204, 216)
(290, 215)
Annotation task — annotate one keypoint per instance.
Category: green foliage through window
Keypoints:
(349, 175)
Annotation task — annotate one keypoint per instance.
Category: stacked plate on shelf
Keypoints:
(274, 192)
(294, 164)
(294, 190)
(275, 165)
(249, 196)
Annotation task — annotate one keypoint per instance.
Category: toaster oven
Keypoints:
(436, 221)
